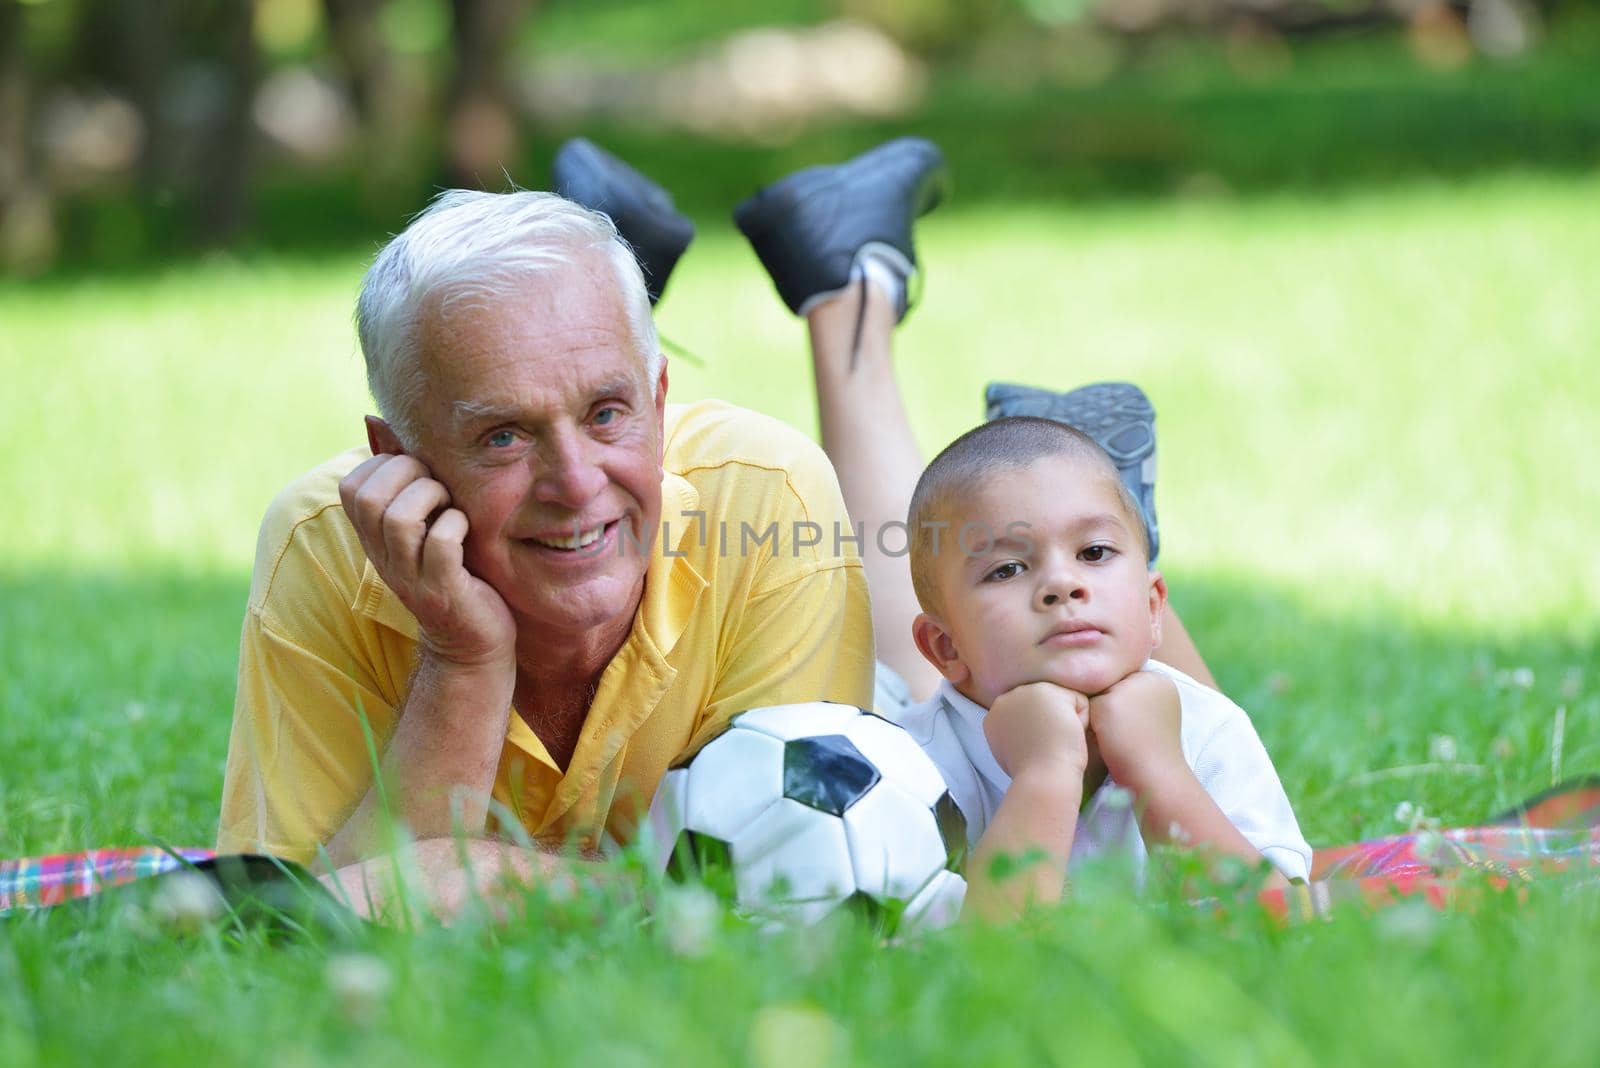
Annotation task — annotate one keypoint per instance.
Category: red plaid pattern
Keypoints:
(1555, 832)
(39, 882)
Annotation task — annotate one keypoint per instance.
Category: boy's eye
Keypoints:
(502, 439)
(1009, 569)
(1096, 553)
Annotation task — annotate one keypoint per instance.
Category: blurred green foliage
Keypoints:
(1028, 104)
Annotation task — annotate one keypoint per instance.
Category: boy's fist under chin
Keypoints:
(1038, 724)
(1137, 725)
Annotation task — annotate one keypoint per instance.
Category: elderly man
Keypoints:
(543, 584)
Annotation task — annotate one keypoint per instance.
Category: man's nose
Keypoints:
(1059, 581)
(571, 474)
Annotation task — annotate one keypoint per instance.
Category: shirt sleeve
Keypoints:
(807, 640)
(316, 698)
(1236, 771)
(798, 623)
(298, 757)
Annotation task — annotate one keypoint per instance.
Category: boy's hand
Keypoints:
(1039, 724)
(1137, 726)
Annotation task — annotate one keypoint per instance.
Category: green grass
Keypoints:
(1377, 440)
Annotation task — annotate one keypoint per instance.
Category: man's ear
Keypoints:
(1158, 606)
(661, 410)
(939, 649)
(381, 438)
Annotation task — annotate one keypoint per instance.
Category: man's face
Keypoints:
(1068, 598)
(538, 418)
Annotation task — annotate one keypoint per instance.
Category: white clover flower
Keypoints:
(1405, 812)
(1442, 748)
(359, 983)
(1522, 678)
(1408, 921)
(186, 903)
(688, 916)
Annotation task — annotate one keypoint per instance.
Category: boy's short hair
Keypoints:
(1010, 442)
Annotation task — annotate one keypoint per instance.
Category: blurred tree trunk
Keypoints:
(148, 48)
(480, 122)
(27, 225)
(127, 47)
(385, 104)
(229, 156)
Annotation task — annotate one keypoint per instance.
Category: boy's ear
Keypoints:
(938, 648)
(1158, 606)
(381, 438)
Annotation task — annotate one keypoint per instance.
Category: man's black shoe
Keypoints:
(808, 228)
(644, 213)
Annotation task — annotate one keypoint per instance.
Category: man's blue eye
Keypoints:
(502, 439)
(605, 415)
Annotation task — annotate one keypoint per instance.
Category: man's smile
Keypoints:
(575, 537)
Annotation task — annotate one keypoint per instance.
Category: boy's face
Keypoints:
(1061, 593)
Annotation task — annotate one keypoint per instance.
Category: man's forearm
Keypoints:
(439, 767)
(442, 876)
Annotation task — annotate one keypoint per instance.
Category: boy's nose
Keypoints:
(1061, 583)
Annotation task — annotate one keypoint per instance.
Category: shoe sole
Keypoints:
(657, 231)
(1117, 415)
(760, 217)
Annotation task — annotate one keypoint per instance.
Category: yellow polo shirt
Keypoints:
(738, 611)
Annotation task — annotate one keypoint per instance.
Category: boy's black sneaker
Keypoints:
(1117, 415)
(644, 213)
(809, 228)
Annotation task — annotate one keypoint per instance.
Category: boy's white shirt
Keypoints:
(1219, 743)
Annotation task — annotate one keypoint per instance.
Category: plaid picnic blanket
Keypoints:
(40, 882)
(1556, 832)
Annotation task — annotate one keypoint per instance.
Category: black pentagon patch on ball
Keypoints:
(696, 855)
(826, 772)
(882, 917)
(952, 830)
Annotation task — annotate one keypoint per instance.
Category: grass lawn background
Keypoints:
(1378, 439)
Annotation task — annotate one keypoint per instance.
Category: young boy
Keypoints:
(1056, 669)
(1040, 612)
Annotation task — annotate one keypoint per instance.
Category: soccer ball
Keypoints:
(805, 809)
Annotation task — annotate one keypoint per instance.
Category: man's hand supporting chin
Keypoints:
(439, 767)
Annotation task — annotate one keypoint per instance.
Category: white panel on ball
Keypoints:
(736, 777)
(897, 756)
(800, 721)
(667, 814)
(798, 847)
(938, 904)
(894, 842)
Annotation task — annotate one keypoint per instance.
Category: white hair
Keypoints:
(470, 245)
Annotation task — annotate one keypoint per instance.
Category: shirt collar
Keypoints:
(966, 718)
